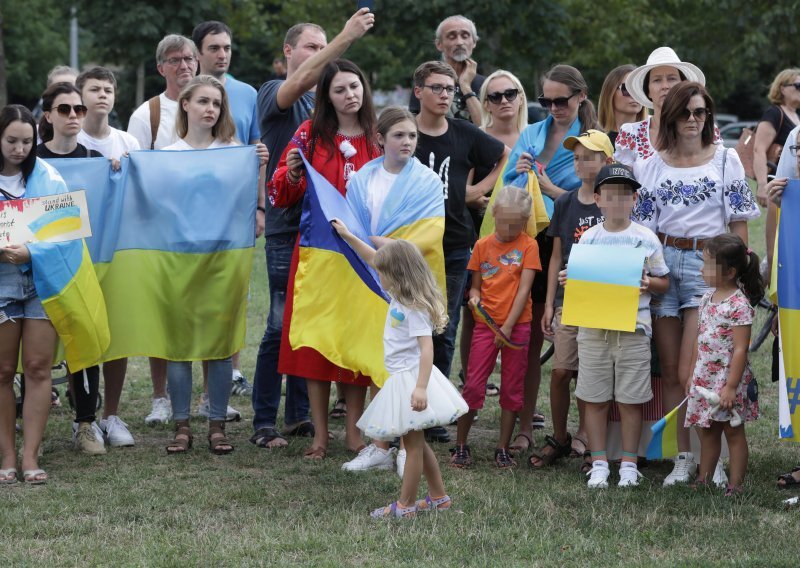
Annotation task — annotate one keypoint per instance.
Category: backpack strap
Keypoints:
(724, 202)
(155, 119)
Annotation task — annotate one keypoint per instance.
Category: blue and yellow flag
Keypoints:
(788, 277)
(67, 285)
(172, 244)
(664, 443)
(539, 219)
(339, 307)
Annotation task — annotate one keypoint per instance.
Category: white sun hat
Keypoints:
(661, 57)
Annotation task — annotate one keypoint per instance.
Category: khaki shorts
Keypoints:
(614, 365)
(565, 342)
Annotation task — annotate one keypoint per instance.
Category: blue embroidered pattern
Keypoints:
(740, 197)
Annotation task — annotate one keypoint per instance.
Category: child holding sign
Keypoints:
(503, 266)
(615, 365)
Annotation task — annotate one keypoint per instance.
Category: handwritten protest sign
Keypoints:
(53, 218)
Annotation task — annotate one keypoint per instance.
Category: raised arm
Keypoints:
(362, 249)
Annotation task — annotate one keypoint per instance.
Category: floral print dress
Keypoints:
(714, 351)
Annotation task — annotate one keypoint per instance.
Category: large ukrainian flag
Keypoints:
(67, 285)
(173, 234)
(788, 278)
(339, 307)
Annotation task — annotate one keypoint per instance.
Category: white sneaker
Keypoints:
(629, 475)
(88, 439)
(240, 386)
(161, 412)
(401, 463)
(371, 457)
(598, 475)
(720, 477)
(685, 468)
(204, 409)
(116, 432)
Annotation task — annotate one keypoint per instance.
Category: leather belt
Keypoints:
(683, 243)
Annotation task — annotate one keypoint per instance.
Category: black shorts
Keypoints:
(539, 288)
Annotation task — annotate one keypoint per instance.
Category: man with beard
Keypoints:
(456, 37)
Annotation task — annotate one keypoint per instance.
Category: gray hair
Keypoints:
(61, 70)
(173, 42)
(472, 29)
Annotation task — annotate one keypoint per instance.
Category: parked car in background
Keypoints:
(723, 119)
(731, 132)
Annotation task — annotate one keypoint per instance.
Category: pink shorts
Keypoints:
(482, 357)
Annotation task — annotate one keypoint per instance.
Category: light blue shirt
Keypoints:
(242, 98)
(787, 165)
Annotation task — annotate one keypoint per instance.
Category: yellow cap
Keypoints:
(593, 140)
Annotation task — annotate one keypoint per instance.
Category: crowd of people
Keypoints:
(660, 181)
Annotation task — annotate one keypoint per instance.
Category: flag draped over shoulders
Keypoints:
(413, 210)
(67, 284)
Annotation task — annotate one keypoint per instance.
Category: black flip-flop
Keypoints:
(302, 430)
(788, 479)
(264, 436)
(339, 409)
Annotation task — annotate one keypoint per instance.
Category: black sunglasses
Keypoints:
(795, 85)
(624, 90)
(65, 109)
(700, 114)
(560, 102)
(497, 97)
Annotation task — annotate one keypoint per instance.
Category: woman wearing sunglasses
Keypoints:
(692, 190)
(616, 105)
(648, 85)
(61, 122)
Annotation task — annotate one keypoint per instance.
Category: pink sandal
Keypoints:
(394, 510)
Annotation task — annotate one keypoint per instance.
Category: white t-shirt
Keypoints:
(139, 124)
(112, 146)
(12, 185)
(400, 345)
(181, 144)
(380, 183)
(693, 202)
(635, 236)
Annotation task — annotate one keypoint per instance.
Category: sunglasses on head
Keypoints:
(560, 102)
(497, 96)
(65, 109)
(700, 114)
(624, 90)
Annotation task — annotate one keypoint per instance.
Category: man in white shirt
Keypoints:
(176, 59)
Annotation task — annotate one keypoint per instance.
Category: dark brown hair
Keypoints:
(18, 113)
(674, 110)
(572, 78)
(729, 251)
(48, 97)
(429, 68)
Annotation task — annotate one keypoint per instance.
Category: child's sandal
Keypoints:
(395, 510)
(734, 490)
(503, 460)
(218, 443)
(182, 442)
(429, 504)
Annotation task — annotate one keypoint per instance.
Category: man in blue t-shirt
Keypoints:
(283, 104)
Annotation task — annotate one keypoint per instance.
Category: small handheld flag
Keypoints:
(664, 443)
(482, 315)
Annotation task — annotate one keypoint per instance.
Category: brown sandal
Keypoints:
(317, 454)
(217, 441)
(558, 450)
(183, 438)
(517, 447)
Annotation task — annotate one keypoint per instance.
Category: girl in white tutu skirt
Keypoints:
(416, 395)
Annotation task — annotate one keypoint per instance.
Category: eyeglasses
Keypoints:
(175, 61)
(560, 102)
(65, 109)
(795, 85)
(497, 97)
(699, 114)
(624, 90)
(437, 89)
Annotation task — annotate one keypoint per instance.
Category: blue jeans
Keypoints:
(179, 382)
(455, 268)
(267, 379)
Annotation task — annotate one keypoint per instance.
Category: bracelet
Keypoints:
(465, 97)
(262, 209)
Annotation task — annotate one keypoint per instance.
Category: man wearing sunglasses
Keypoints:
(455, 38)
(153, 123)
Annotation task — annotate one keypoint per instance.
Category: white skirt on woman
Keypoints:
(389, 415)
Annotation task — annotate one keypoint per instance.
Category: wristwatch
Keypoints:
(466, 96)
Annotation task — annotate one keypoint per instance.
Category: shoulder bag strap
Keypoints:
(155, 119)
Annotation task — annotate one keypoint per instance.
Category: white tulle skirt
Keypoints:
(389, 415)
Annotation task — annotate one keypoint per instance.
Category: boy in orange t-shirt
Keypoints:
(503, 266)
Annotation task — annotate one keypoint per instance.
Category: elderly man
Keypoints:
(456, 37)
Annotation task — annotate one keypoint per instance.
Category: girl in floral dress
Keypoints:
(720, 356)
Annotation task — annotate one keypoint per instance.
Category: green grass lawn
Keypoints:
(138, 506)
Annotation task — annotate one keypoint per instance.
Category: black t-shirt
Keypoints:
(570, 220)
(452, 155)
(80, 151)
(277, 127)
(459, 108)
(782, 124)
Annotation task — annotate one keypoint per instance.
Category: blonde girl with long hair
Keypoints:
(416, 395)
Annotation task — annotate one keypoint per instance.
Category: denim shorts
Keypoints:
(686, 284)
(18, 297)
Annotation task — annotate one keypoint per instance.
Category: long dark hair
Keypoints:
(325, 123)
(49, 95)
(572, 78)
(729, 251)
(15, 113)
(674, 109)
